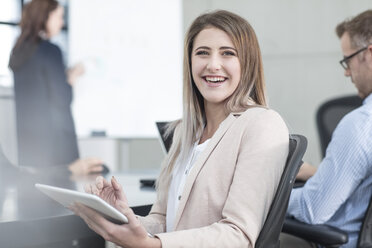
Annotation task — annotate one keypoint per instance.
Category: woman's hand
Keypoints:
(111, 192)
(86, 166)
(74, 73)
(132, 234)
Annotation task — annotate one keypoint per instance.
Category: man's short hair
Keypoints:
(359, 29)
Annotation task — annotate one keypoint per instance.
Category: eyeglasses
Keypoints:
(344, 62)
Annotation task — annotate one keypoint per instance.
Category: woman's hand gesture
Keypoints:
(111, 192)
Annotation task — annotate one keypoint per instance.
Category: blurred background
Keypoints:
(132, 54)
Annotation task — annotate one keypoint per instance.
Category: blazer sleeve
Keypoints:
(155, 221)
(259, 166)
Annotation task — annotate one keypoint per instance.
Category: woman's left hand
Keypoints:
(74, 73)
(132, 234)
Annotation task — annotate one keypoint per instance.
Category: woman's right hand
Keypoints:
(112, 192)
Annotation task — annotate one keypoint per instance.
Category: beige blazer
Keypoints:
(228, 193)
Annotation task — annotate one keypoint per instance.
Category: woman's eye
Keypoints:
(229, 53)
(201, 53)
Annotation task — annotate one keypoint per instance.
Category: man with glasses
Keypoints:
(339, 191)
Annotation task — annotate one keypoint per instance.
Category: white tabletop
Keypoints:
(137, 195)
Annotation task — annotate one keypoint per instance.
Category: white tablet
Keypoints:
(68, 197)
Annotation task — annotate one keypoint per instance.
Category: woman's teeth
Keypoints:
(215, 79)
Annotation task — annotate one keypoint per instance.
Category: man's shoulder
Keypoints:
(354, 132)
(358, 119)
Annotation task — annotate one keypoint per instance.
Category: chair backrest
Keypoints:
(269, 235)
(365, 234)
(329, 115)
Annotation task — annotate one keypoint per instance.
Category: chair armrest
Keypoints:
(298, 183)
(320, 234)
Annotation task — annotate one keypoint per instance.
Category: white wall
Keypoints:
(133, 64)
(300, 52)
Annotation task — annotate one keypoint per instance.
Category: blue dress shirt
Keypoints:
(339, 192)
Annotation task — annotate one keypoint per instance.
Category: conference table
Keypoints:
(28, 218)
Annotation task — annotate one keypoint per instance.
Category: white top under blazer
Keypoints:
(179, 176)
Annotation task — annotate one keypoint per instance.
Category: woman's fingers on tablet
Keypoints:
(135, 228)
(72, 208)
(99, 182)
(128, 212)
(116, 184)
(122, 205)
(102, 183)
(93, 219)
(92, 189)
(88, 188)
(119, 190)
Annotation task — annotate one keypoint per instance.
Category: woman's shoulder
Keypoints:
(46, 46)
(261, 118)
(259, 113)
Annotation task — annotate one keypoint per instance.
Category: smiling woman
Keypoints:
(227, 155)
(215, 66)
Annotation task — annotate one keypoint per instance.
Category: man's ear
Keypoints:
(369, 56)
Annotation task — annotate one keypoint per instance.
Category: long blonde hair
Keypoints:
(250, 91)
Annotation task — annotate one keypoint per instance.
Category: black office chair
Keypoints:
(328, 236)
(269, 235)
(329, 115)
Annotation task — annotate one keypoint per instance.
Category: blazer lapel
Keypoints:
(224, 126)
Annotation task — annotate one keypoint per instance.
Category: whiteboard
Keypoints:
(132, 53)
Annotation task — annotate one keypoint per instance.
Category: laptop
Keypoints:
(165, 142)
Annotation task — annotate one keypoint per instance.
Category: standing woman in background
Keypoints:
(43, 93)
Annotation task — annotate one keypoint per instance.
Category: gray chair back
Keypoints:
(269, 235)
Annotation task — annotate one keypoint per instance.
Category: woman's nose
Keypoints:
(214, 64)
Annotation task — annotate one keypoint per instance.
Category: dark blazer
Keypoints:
(45, 127)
